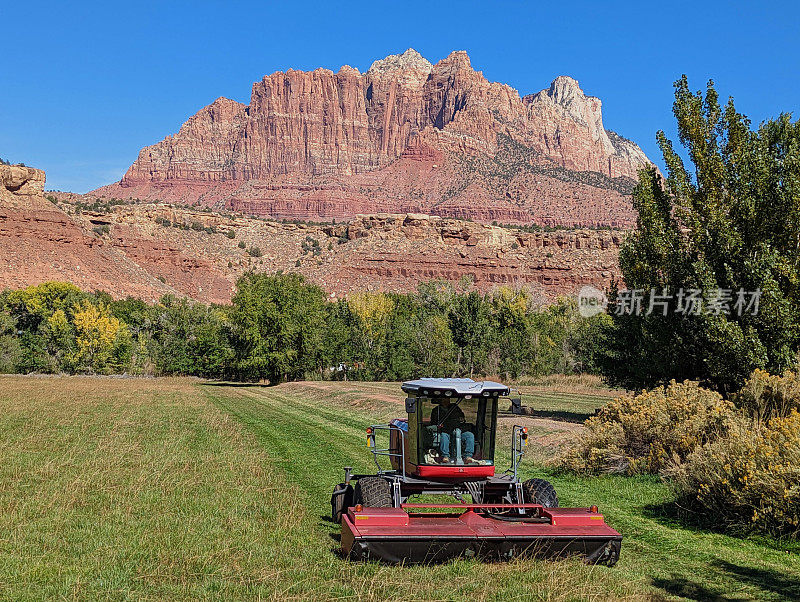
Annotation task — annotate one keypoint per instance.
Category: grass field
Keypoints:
(175, 488)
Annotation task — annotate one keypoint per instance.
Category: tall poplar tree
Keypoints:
(729, 222)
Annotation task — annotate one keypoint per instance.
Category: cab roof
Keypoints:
(456, 386)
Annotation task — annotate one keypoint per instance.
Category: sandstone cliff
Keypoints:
(40, 242)
(191, 250)
(151, 249)
(404, 136)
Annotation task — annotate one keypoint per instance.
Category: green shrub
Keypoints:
(242, 245)
(231, 234)
(650, 432)
(254, 252)
(749, 479)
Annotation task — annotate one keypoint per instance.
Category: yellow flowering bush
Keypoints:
(766, 396)
(651, 431)
(749, 479)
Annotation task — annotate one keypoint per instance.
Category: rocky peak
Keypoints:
(347, 70)
(566, 95)
(410, 60)
(308, 125)
(566, 91)
(17, 181)
(225, 109)
(458, 59)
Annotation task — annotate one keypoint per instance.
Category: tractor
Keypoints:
(445, 446)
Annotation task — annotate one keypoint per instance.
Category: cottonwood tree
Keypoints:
(278, 327)
(729, 221)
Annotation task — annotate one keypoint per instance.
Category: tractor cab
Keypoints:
(450, 429)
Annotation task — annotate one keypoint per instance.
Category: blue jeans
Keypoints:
(467, 444)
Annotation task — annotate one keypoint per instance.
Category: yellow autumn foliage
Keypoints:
(749, 479)
(96, 332)
(651, 431)
(372, 308)
(766, 396)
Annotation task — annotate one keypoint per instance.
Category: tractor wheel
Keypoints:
(539, 491)
(341, 500)
(373, 492)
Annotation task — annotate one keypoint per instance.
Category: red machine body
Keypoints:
(403, 535)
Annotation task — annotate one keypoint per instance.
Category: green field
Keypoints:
(176, 488)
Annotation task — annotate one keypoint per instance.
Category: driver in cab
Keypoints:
(448, 417)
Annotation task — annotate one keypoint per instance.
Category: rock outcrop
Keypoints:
(40, 242)
(19, 184)
(306, 134)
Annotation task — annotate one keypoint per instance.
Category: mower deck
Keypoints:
(396, 535)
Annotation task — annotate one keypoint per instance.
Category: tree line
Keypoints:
(280, 327)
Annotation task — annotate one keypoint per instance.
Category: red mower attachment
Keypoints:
(439, 532)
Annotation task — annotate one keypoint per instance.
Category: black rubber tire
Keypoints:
(373, 492)
(340, 502)
(539, 491)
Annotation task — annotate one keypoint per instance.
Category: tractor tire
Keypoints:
(373, 492)
(341, 500)
(539, 491)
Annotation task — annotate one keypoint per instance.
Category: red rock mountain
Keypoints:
(406, 136)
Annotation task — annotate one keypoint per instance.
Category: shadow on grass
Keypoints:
(767, 580)
(679, 586)
(673, 514)
(773, 585)
(677, 516)
(228, 384)
(563, 416)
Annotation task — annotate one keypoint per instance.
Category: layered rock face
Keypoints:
(193, 255)
(397, 252)
(151, 249)
(40, 242)
(306, 134)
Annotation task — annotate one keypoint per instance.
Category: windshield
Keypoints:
(457, 430)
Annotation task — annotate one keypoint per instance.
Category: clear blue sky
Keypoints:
(85, 85)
